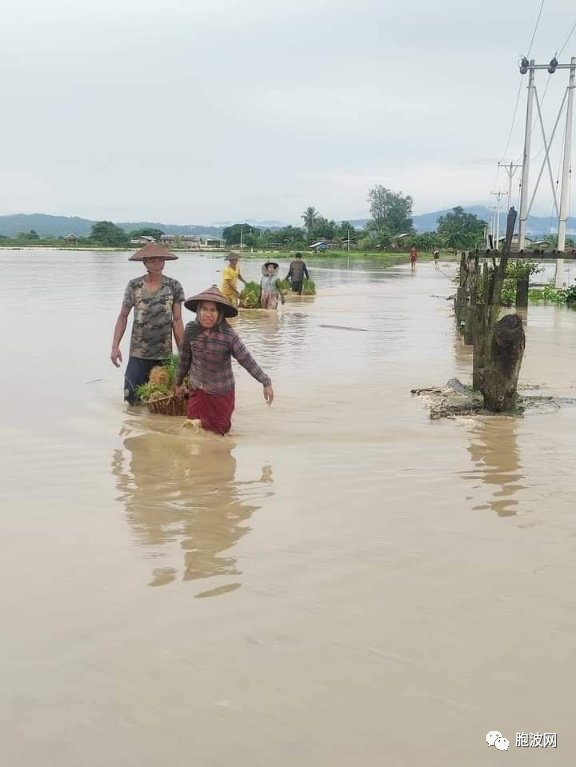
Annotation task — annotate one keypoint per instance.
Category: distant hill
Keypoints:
(61, 226)
(252, 222)
(536, 226)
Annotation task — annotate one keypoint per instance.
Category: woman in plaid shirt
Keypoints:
(206, 360)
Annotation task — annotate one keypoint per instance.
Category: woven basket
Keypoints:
(170, 405)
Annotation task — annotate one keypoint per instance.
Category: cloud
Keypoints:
(216, 109)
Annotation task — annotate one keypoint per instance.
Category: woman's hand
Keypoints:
(179, 391)
(269, 394)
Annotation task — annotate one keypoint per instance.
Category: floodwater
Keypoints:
(341, 581)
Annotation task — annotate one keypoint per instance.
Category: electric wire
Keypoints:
(536, 25)
(567, 40)
(535, 28)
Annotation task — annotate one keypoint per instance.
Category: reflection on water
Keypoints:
(494, 450)
(182, 490)
(361, 568)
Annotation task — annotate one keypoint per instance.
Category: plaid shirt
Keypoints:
(207, 359)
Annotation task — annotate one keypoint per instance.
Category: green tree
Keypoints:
(286, 237)
(108, 234)
(147, 232)
(461, 230)
(310, 216)
(426, 241)
(323, 229)
(390, 210)
(244, 234)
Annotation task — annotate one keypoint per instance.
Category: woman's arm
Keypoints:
(185, 355)
(241, 353)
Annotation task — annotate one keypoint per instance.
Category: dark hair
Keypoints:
(298, 255)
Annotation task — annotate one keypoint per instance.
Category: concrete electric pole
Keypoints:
(510, 172)
(531, 67)
(496, 219)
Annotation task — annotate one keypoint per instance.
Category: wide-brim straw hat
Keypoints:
(212, 294)
(274, 264)
(153, 250)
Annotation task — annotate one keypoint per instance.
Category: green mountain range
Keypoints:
(61, 226)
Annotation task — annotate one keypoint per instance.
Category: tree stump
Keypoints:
(498, 379)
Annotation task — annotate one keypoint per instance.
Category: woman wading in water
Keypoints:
(206, 360)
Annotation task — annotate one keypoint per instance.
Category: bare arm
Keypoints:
(177, 324)
(241, 353)
(185, 354)
(119, 329)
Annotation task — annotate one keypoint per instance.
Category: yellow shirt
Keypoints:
(230, 277)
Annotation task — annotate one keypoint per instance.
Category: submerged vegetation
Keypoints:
(551, 295)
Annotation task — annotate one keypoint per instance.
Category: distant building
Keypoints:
(191, 241)
(71, 239)
(142, 240)
(319, 246)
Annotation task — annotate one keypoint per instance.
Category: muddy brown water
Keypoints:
(339, 582)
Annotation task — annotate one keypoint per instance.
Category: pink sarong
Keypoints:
(270, 300)
(213, 410)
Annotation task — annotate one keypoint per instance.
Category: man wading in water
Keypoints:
(296, 273)
(157, 302)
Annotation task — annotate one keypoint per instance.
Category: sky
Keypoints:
(209, 111)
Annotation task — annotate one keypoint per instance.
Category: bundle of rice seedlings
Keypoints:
(159, 376)
(308, 288)
(250, 296)
(158, 393)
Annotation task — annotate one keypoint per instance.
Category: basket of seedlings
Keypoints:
(158, 393)
(250, 296)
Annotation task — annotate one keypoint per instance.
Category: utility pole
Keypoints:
(496, 228)
(531, 67)
(510, 172)
(526, 66)
(563, 214)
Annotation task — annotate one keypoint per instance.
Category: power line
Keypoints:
(505, 152)
(535, 28)
(567, 40)
(536, 25)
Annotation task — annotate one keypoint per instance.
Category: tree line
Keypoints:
(390, 225)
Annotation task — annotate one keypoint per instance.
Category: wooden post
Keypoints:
(522, 286)
(473, 266)
(498, 345)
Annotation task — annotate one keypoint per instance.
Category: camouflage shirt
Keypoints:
(152, 326)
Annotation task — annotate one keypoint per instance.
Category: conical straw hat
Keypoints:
(153, 250)
(211, 294)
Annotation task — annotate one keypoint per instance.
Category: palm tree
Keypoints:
(310, 216)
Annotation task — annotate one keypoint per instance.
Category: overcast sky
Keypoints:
(202, 111)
